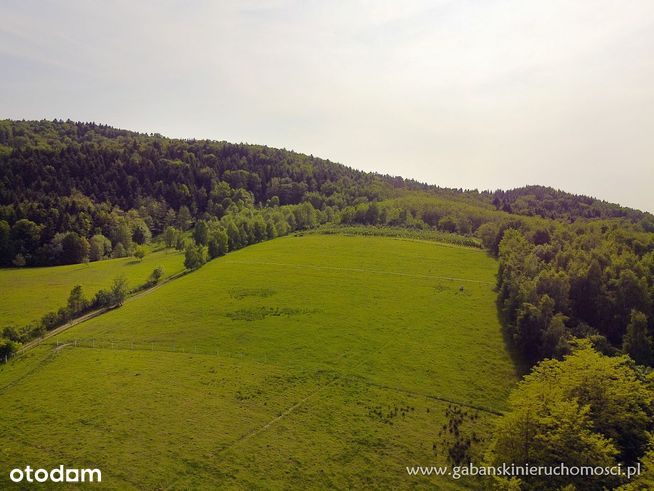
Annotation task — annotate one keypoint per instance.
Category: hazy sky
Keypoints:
(475, 94)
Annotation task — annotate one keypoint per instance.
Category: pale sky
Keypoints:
(475, 94)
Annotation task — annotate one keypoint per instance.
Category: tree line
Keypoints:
(70, 191)
(77, 305)
(585, 280)
(202, 241)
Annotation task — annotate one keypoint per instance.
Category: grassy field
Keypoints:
(303, 362)
(29, 293)
(399, 233)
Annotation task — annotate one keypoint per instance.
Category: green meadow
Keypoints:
(29, 293)
(316, 361)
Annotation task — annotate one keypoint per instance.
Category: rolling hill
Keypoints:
(30, 293)
(335, 327)
(306, 361)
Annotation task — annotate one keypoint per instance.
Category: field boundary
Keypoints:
(47, 358)
(58, 330)
(91, 315)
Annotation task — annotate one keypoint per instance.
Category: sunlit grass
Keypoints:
(303, 362)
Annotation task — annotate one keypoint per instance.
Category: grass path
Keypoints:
(60, 329)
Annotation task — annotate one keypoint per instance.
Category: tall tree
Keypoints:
(76, 301)
(170, 236)
(201, 232)
(118, 291)
(74, 248)
(637, 342)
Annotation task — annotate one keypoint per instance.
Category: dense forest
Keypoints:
(569, 266)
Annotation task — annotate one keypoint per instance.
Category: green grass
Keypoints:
(400, 233)
(304, 362)
(30, 293)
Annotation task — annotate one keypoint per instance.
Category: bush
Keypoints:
(139, 253)
(99, 247)
(448, 224)
(50, 320)
(170, 236)
(119, 251)
(218, 243)
(156, 275)
(11, 333)
(7, 348)
(102, 299)
(77, 304)
(33, 331)
(74, 248)
(19, 261)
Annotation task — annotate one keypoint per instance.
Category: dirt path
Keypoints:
(61, 329)
(95, 313)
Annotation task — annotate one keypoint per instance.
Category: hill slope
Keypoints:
(60, 178)
(320, 361)
(30, 293)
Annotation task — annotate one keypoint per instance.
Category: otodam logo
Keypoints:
(58, 474)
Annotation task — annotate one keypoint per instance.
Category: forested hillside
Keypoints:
(570, 266)
(91, 180)
(64, 184)
(551, 203)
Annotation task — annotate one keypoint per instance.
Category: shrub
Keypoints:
(7, 348)
(119, 250)
(139, 253)
(102, 299)
(156, 275)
